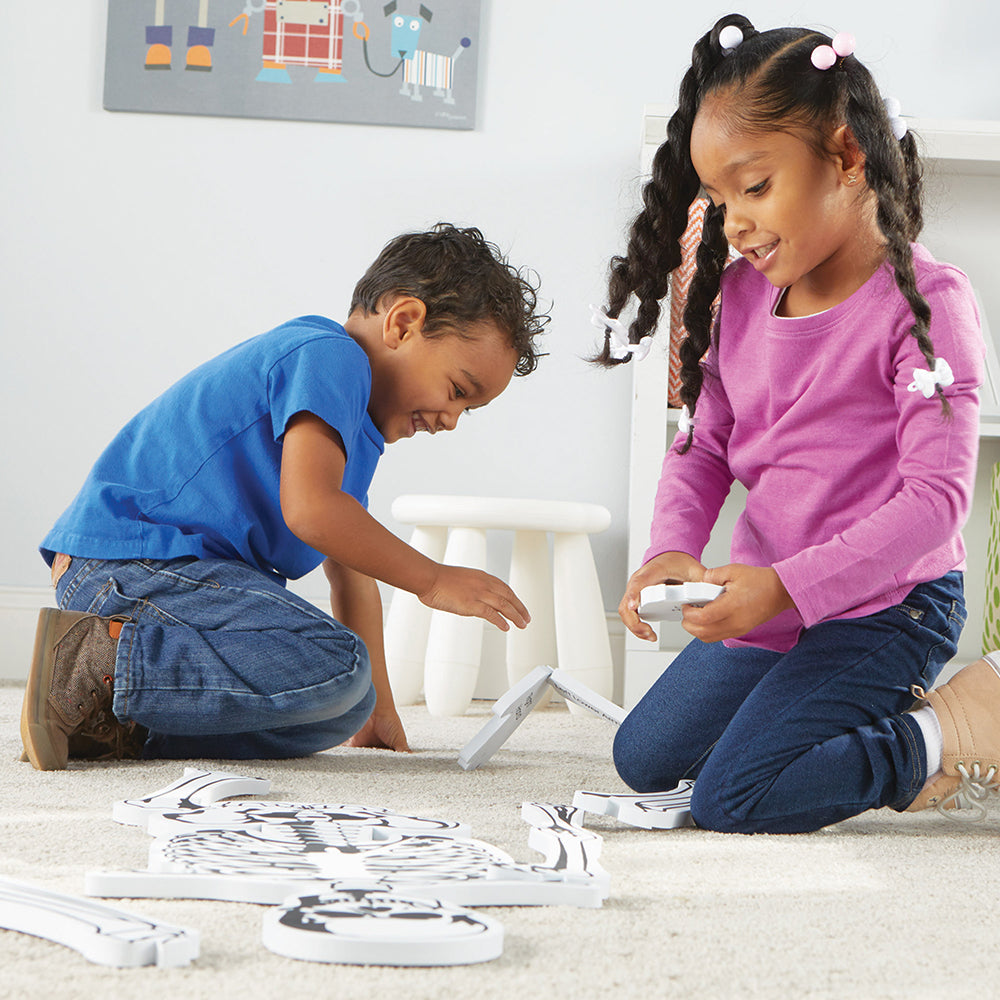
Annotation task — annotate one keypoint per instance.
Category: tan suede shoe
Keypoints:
(68, 698)
(968, 709)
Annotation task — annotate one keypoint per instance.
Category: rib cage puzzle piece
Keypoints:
(655, 811)
(358, 927)
(101, 934)
(267, 861)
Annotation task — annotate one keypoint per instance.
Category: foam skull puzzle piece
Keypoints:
(362, 927)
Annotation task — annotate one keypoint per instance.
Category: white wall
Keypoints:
(135, 246)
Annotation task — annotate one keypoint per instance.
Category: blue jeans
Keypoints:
(791, 742)
(219, 661)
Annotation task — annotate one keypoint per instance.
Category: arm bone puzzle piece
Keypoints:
(664, 602)
(196, 789)
(361, 927)
(653, 811)
(101, 934)
(513, 707)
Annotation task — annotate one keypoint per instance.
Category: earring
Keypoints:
(852, 178)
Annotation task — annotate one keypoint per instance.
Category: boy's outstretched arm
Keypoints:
(356, 603)
(323, 516)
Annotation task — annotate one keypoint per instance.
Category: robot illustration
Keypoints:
(420, 67)
(301, 33)
(160, 36)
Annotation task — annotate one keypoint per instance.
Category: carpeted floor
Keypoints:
(879, 906)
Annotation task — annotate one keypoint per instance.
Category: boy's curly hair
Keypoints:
(461, 279)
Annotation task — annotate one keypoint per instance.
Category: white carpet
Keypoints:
(879, 906)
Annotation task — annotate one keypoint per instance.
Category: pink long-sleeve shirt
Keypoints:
(857, 487)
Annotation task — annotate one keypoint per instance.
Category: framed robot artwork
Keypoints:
(400, 62)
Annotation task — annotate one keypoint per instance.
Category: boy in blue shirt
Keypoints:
(175, 635)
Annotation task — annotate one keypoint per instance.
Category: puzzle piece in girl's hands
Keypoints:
(654, 811)
(100, 933)
(362, 927)
(664, 602)
(265, 863)
(513, 707)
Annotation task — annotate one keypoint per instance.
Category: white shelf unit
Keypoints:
(969, 147)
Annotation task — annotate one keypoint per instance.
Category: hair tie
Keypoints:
(618, 343)
(824, 56)
(896, 122)
(730, 38)
(926, 382)
(685, 422)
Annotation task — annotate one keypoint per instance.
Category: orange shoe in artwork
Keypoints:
(199, 57)
(158, 56)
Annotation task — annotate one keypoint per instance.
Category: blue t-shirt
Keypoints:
(197, 472)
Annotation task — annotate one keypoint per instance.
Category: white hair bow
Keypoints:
(618, 344)
(685, 422)
(926, 382)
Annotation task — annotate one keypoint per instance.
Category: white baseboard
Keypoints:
(19, 607)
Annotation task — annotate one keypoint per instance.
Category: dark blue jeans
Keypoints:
(791, 742)
(220, 661)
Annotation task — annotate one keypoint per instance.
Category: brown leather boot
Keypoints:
(67, 702)
(968, 709)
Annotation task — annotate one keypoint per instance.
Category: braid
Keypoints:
(654, 249)
(712, 254)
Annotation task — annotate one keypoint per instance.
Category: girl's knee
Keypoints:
(638, 765)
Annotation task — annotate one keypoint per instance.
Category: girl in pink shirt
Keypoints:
(833, 370)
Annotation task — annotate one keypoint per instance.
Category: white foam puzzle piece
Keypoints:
(192, 802)
(664, 602)
(265, 862)
(101, 934)
(362, 927)
(513, 707)
(655, 811)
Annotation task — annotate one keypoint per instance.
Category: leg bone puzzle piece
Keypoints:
(364, 927)
(101, 934)
(267, 862)
(512, 709)
(665, 602)
(441, 652)
(654, 811)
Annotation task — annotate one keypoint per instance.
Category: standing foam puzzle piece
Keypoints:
(192, 803)
(358, 927)
(513, 707)
(267, 862)
(101, 934)
(655, 811)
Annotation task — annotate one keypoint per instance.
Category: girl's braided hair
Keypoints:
(779, 89)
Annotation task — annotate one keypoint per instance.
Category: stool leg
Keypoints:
(455, 642)
(531, 580)
(581, 628)
(408, 624)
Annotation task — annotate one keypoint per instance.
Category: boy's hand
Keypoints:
(754, 595)
(383, 731)
(668, 567)
(473, 593)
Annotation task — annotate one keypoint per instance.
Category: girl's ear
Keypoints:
(404, 318)
(848, 155)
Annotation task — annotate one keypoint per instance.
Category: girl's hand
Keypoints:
(754, 595)
(473, 593)
(668, 567)
(383, 730)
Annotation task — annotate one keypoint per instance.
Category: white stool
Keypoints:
(568, 626)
